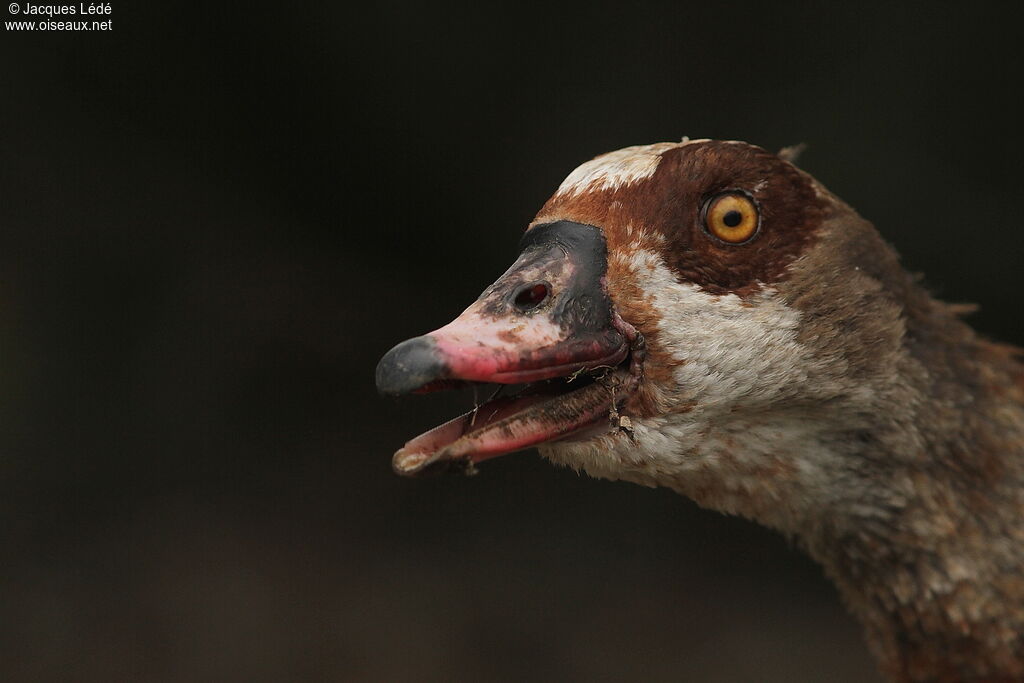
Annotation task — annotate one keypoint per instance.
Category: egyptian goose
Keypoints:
(705, 316)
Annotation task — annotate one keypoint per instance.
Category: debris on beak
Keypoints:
(547, 323)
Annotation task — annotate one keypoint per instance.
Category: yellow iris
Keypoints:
(732, 217)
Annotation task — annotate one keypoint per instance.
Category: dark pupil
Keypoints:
(732, 218)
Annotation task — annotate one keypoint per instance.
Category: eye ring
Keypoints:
(732, 217)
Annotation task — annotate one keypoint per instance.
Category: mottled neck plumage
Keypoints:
(925, 533)
(931, 562)
(803, 379)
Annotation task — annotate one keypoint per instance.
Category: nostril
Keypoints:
(530, 296)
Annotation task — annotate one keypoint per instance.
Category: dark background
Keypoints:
(214, 221)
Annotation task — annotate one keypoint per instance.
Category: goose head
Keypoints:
(656, 319)
(706, 316)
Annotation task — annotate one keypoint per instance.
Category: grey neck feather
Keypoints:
(872, 425)
(925, 538)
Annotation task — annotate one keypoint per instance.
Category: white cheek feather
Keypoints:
(730, 451)
(617, 169)
(733, 352)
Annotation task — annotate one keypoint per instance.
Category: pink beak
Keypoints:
(548, 316)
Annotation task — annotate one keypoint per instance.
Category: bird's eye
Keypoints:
(732, 217)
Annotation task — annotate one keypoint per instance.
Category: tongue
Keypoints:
(503, 426)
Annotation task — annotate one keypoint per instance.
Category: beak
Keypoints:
(549, 316)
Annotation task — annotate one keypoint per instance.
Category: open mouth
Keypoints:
(577, 405)
(547, 324)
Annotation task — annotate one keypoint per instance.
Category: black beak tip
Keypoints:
(409, 366)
